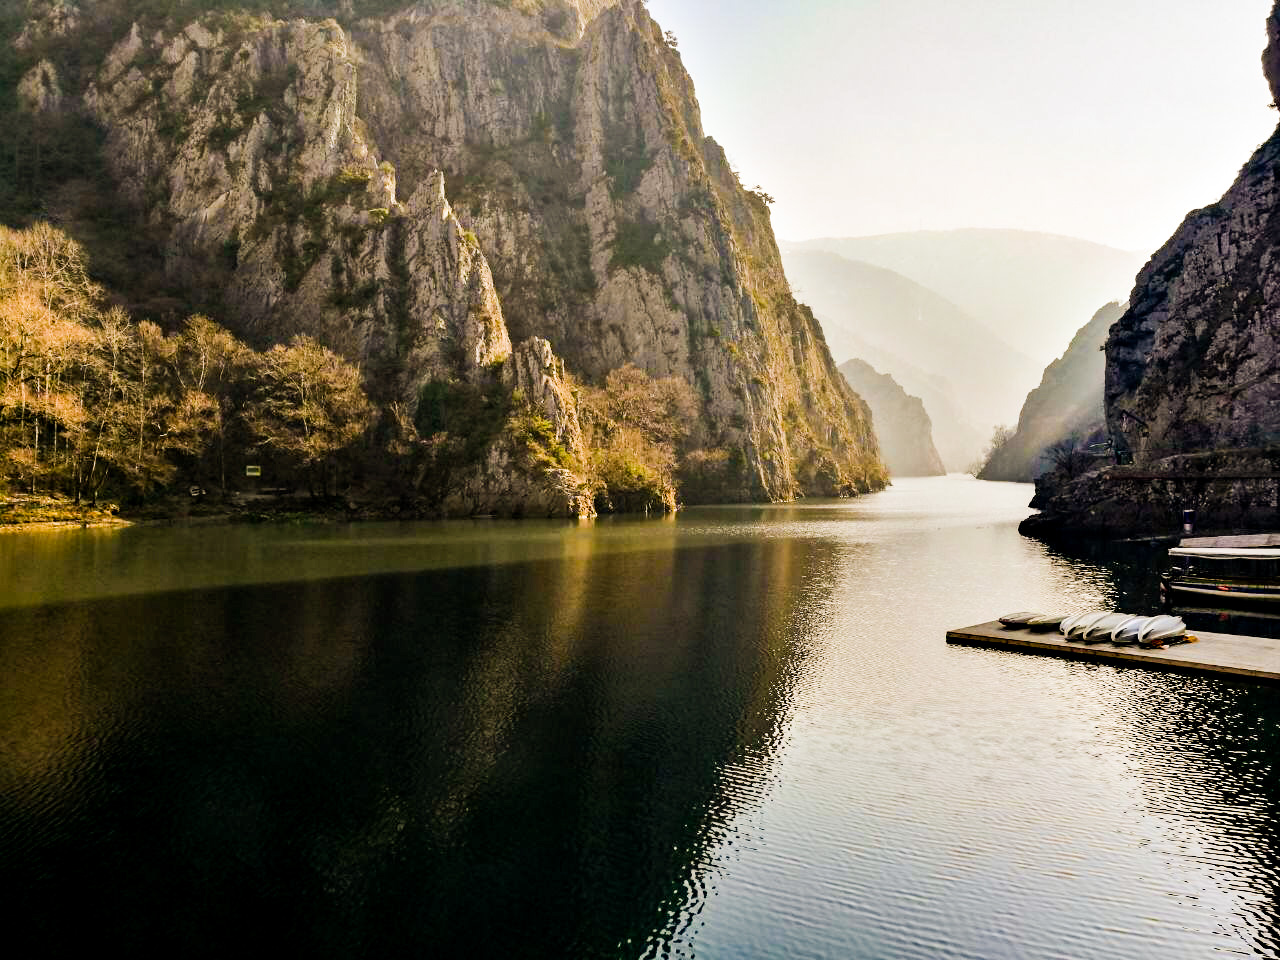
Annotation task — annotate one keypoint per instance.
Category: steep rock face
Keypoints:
(1067, 404)
(240, 137)
(1195, 362)
(246, 142)
(902, 426)
(506, 482)
(615, 227)
(1193, 373)
(274, 157)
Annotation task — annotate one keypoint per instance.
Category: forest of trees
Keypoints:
(94, 404)
(91, 401)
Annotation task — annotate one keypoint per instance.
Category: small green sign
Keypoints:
(254, 471)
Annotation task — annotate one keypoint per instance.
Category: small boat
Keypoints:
(1084, 622)
(1101, 629)
(1161, 629)
(1018, 619)
(1229, 569)
(1048, 621)
(1068, 622)
(1126, 633)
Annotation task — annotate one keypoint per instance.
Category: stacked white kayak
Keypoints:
(1101, 626)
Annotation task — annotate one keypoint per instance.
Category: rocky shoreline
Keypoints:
(25, 513)
(1230, 492)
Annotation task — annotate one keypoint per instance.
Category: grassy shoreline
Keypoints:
(25, 512)
(32, 511)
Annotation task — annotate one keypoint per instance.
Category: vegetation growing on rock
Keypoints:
(287, 179)
(92, 402)
(634, 427)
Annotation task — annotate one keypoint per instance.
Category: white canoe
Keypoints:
(1084, 622)
(1101, 628)
(1163, 627)
(1127, 632)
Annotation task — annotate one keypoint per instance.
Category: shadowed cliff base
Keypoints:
(1230, 491)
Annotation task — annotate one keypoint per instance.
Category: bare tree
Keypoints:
(1066, 456)
(309, 406)
(999, 437)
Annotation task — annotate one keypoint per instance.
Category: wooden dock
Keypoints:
(1221, 654)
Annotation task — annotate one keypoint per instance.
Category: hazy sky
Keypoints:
(1101, 119)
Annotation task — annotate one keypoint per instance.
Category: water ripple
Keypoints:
(734, 734)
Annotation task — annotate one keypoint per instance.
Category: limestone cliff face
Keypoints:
(240, 138)
(574, 148)
(505, 481)
(421, 188)
(902, 425)
(1195, 363)
(1066, 405)
(244, 139)
(1193, 371)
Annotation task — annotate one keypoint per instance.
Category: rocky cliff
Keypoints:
(420, 187)
(1067, 406)
(1193, 370)
(1195, 362)
(902, 425)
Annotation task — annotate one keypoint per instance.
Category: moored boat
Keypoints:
(1126, 632)
(1244, 569)
(1080, 624)
(1161, 629)
(1048, 621)
(1102, 628)
(1020, 619)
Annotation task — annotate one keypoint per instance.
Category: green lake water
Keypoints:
(735, 733)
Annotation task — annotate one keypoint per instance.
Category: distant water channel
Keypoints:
(737, 733)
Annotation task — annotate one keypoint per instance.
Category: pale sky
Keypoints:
(1102, 119)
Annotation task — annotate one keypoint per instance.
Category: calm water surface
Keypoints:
(738, 733)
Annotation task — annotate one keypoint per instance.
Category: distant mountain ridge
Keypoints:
(1030, 289)
(930, 346)
(901, 423)
(1068, 403)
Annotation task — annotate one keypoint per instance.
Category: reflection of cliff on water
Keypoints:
(522, 760)
(1132, 568)
(1202, 754)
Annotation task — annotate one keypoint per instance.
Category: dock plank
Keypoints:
(1254, 658)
